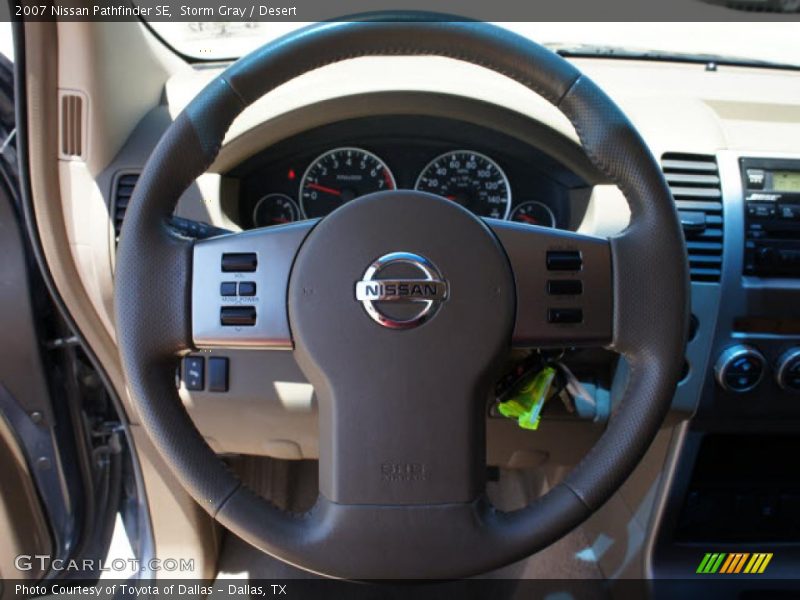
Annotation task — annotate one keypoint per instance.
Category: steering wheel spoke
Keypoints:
(239, 287)
(563, 284)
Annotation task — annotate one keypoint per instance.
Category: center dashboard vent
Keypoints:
(695, 185)
(123, 190)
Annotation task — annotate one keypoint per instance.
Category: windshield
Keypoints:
(776, 43)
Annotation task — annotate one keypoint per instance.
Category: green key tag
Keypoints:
(526, 405)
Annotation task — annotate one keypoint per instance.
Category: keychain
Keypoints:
(526, 404)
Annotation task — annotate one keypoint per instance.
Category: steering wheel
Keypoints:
(400, 308)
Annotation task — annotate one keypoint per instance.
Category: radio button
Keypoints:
(760, 210)
(564, 260)
(790, 212)
(755, 179)
(564, 287)
(227, 288)
(239, 262)
(789, 257)
(238, 316)
(565, 315)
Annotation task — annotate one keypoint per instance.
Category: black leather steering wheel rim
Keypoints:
(649, 275)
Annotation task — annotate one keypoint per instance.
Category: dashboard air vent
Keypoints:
(695, 185)
(123, 190)
(73, 124)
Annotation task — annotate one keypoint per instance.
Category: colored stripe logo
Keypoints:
(734, 563)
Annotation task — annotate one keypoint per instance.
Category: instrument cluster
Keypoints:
(488, 173)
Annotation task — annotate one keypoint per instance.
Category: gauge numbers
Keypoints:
(471, 179)
(338, 176)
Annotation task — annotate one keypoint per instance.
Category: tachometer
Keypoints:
(340, 175)
(534, 213)
(472, 179)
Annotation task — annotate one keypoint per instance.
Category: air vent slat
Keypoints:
(695, 186)
(708, 219)
(700, 247)
(688, 165)
(123, 191)
(707, 275)
(705, 260)
(691, 179)
(708, 206)
(695, 192)
(707, 234)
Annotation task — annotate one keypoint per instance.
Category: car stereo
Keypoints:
(772, 217)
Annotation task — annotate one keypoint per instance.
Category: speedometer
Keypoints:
(471, 179)
(340, 175)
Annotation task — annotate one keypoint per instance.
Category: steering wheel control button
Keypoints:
(218, 374)
(257, 264)
(239, 262)
(401, 290)
(564, 287)
(565, 316)
(194, 373)
(247, 288)
(739, 369)
(788, 373)
(564, 260)
(237, 316)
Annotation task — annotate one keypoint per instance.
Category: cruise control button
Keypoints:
(239, 262)
(247, 288)
(241, 316)
(565, 315)
(564, 287)
(227, 288)
(564, 260)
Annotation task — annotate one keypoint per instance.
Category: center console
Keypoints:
(735, 486)
(756, 377)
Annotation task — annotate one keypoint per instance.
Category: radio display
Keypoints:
(786, 181)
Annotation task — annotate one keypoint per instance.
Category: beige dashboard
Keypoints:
(677, 108)
(124, 76)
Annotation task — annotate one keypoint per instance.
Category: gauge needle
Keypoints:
(280, 220)
(527, 219)
(322, 188)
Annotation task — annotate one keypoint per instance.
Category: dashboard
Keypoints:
(488, 172)
(732, 119)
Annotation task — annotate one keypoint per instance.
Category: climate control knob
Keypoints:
(739, 369)
(788, 373)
